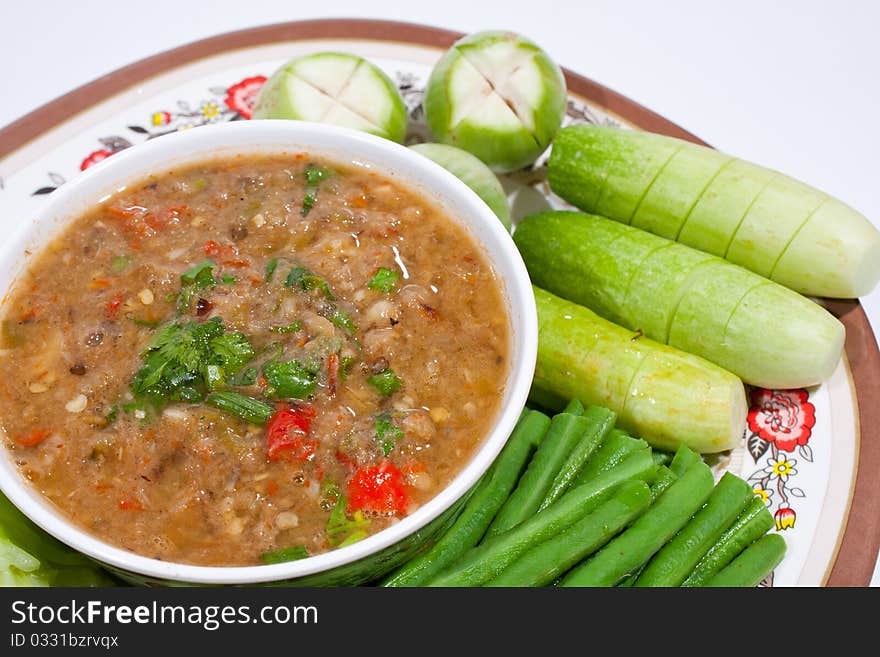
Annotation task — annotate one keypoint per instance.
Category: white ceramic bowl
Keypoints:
(379, 552)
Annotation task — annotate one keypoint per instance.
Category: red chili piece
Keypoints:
(130, 504)
(332, 373)
(378, 488)
(113, 305)
(33, 437)
(288, 434)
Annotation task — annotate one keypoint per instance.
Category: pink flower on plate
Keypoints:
(241, 97)
(783, 417)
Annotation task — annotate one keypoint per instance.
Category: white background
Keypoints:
(793, 85)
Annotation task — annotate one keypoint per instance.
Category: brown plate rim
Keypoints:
(858, 550)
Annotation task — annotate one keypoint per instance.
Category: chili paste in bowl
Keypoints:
(257, 356)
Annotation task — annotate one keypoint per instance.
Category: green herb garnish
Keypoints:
(316, 175)
(192, 281)
(241, 406)
(345, 365)
(271, 266)
(386, 382)
(306, 280)
(185, 358)
(384, 280)
(342, 319)
(293, 553)
(120, 263)
(112, 414)
(387, 433)
(340, 528)
(289, 379)
(247, 377)
(145, 322)
(290, 328)
(228, 279)
(308, 203)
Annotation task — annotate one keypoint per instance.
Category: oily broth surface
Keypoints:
(192, 484)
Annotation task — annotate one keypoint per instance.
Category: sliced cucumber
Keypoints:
(337, 88)
(763, 332)
(498, 96)
(473, 173)
(755, 217)
(666, 396)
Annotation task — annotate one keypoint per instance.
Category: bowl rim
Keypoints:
(407, 166)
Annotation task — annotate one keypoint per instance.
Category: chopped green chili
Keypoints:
(386, 382)
(289, 379)
(292, 553)
(384, 280)
(290, 328)
(342, 319)
(120, 263)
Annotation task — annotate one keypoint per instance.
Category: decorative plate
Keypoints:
(808, 453)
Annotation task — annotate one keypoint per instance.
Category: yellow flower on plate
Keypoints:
(781, 468)
(763, 493)
(211, 110)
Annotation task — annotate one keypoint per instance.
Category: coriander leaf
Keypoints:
(315, 175)
(308, 203)
(185, 358)
(201, 274)
(294, 278)
(386, 382)
(197, 278)
(232, 350)
(271, 266)
(306, 280)
(228, 279)
(387, 433)
(383, 280)
(288, 379)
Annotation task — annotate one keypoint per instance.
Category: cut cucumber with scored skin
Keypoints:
(778, 211)
(337, 88)
(755, 217)
(663, 395)
(669, 200)
(761, 331)
(473, 173)
(498, 96)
